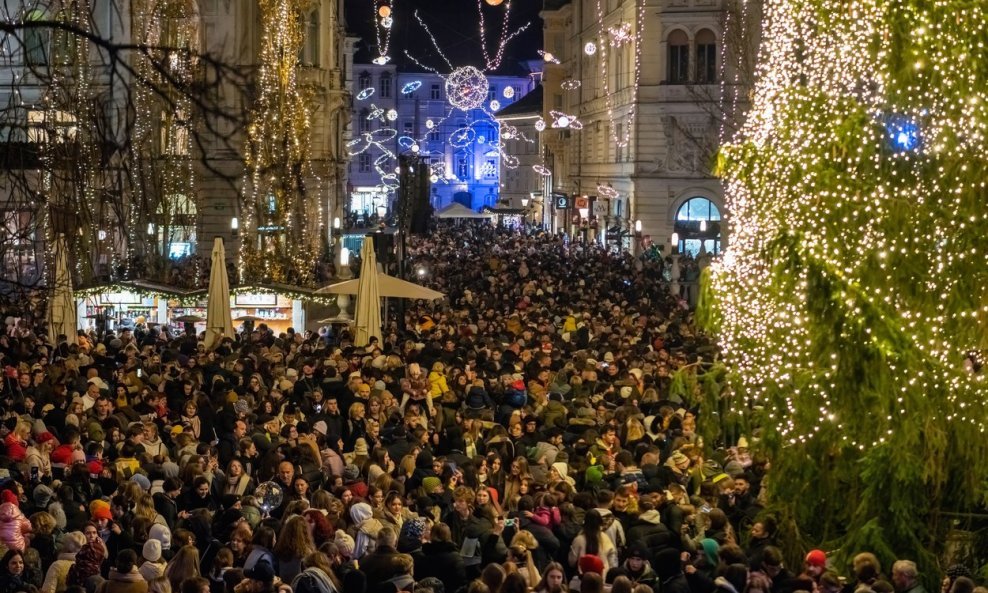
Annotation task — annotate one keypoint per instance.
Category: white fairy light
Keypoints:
(590, 48)
(509, 92)
(365, 94)
(466, 88)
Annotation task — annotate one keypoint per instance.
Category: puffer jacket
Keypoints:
(437, 384)
(13, 526)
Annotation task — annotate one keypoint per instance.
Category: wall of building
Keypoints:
(677, 121)
(463, 168)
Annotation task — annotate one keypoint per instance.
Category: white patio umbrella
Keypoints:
(367, 318)
(218, 318)
(61, 306)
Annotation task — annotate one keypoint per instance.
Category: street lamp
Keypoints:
(382, 211)
(524, 202)
(638, 227)
(336, 223)
(674, 243)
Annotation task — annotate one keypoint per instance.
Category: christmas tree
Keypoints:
(852, 300)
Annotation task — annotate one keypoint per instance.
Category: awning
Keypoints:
(388, 286)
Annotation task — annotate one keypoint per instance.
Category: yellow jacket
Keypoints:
(437, 384)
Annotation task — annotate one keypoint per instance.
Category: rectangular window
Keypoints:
(312, 40)
(706, 63)
(36, 46)
(385, 86)
(364, 163)
(409, 128)
(618, 149)
(490, 169)
(492, 93)
(435, 93)
(462, 168)
(364, 81)
(434, 135)
(679, 64)
(364, 125)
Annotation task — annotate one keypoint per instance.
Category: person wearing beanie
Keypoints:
(638, 568)
(57, 576)
(163, 535)
(344, 544)
(814, 565)
(153, 565)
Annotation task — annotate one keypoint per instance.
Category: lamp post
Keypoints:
(674, 270)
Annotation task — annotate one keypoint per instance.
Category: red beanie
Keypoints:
(9, 496)
(816, 558)
(591, 563)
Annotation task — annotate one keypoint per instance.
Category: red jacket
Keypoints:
(16, 448)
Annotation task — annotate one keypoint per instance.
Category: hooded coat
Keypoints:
(367, 529)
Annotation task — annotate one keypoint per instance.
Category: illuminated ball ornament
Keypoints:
(392, 115)
(269, 496)
(540, 124)
(903, 133)
(466, 88)
(495, 105)
(590, 48)
(384, 12)
(494, 2)
(430, 124)
(386, 22)
(509, 92)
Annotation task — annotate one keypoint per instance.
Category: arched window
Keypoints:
(679, 58)
(698, 225)
(364, 80)
(706, 57)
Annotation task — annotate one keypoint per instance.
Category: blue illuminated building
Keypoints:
(466, 167)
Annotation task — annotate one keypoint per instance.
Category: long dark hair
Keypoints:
(592, 524)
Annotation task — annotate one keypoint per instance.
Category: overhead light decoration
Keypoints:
(627, 116)
(570, 84)
(411, 87)
(508, 92)
(495, 105)
(429, 124)
(383, 31)
(466, 88)
(386, 22)
(494, 2)
(381, 60)
(365, 94)
(590, 48)
(384, 11)
(392, 115)
(540, 124)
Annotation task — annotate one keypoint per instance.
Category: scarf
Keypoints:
(322, 582)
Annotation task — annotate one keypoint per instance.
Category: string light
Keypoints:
(493, 63)
(281, 234)
(382, 30)
(628, 117)
(411, 87)
(854, 286)
(466, 88)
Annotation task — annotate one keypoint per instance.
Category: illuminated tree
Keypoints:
(283, 213)
(855, 288)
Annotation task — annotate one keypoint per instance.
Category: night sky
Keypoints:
(456, 27)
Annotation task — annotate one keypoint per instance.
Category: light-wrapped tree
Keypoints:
(855, 287)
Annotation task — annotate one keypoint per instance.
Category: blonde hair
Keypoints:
(357, 407)
(43, 523)
(144, 507)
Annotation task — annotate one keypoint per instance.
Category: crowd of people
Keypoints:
(520, 435)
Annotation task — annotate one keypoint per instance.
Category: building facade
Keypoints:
(166, 168)
(459, 146)
(648, 80)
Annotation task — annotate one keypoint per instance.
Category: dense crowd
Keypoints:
(521, 435)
